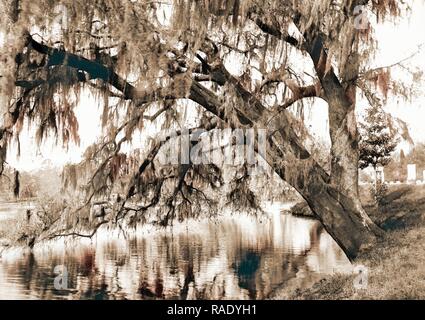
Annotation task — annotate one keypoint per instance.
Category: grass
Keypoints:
(396, 264)
(13, 228)
(5, 228)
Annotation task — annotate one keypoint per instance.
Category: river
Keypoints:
(233, 257)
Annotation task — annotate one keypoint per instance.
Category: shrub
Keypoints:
(379, 192)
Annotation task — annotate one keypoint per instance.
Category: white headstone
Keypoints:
(380, 174)
(411, 172)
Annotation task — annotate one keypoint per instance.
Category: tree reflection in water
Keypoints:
(240, 257)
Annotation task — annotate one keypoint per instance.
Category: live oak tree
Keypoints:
(149, 62)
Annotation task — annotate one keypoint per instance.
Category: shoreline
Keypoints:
(394, 264)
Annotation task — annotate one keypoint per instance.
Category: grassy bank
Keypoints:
(14, 228)
(396, 263)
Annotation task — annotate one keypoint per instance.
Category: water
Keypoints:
(234, 257)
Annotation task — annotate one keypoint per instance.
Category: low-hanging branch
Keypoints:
(96, 70)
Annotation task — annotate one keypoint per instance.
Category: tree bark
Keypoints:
(341, 98)
(340, 214)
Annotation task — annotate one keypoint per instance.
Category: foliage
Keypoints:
(377, 142)
(417, 156)
(379, 192)
(40, 183)
(400, 252)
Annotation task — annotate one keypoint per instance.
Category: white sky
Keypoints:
(395, 43)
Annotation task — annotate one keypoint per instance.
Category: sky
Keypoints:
(396, 42)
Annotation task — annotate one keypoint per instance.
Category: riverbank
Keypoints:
(395, 263)
(13, 221)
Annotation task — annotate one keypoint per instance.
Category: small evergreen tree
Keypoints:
(377, 142)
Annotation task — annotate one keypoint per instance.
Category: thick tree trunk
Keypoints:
(344, 149)
(343, 130)
(341, 215)
(333, 199)
(345, 156)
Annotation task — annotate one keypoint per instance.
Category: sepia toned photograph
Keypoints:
(212, 150)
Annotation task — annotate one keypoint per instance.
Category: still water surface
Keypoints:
(234, 257)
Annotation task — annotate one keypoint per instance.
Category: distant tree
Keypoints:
(396, 169)
(417, 156)
(403, 166)
(16, 185)
(402, 156)
(376, 145)
(377, 142)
